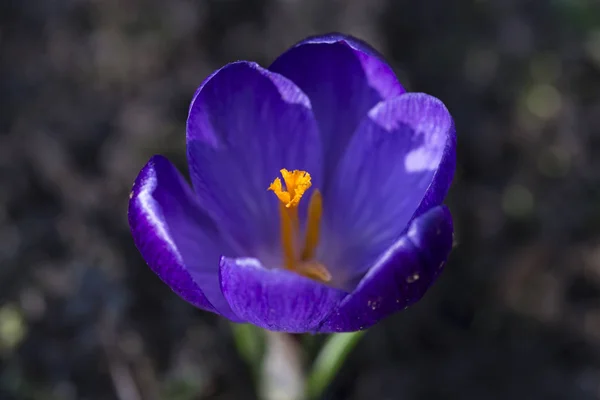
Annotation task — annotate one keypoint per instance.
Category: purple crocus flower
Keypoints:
(317, 192)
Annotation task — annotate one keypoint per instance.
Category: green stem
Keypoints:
(329, 361)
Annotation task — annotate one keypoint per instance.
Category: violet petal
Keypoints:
(401, 156)
(344, 78)
(244, 125)
(175, 237)
(276, 299)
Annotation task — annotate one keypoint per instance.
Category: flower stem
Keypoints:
(329, 361)
(282, 374)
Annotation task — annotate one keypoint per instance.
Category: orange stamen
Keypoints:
(296, 184)
(311, 239)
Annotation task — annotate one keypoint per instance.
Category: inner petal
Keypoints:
(244, 124)
(399, 163)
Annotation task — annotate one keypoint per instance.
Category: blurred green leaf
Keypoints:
(329, 361)
(12, 327)
(249, 341)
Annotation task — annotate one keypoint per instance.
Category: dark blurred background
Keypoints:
(90, 89)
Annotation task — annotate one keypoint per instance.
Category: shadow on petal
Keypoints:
(400, 278)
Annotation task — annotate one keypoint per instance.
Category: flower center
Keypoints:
(298, 256)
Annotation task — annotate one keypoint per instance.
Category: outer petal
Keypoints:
(344, 78)
(400, 160)
(245, 124)
(177, 240)
(400, 277)
(276, 299)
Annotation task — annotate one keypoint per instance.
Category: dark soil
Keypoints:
(89, 90)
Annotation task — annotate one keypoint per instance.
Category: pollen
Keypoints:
(298, 251)
(296, 184)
